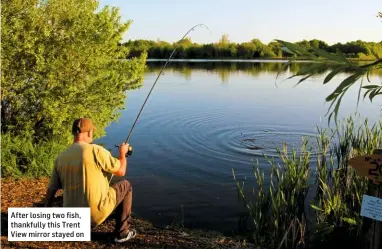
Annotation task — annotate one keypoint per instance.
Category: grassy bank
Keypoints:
(330, 195)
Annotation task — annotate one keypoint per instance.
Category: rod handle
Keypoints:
(129, 152)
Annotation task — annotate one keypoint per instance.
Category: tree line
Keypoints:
(224, 49)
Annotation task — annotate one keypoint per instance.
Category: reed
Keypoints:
(279, 210)
(279, 213)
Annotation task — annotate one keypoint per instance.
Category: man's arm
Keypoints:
(110, 164)
(50, 193)
(53, 186)
(123, 149)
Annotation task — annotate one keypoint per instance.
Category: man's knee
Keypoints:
(127, 186)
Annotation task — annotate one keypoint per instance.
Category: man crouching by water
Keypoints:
(81, 171)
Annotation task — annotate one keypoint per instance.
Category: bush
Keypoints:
(20, 157)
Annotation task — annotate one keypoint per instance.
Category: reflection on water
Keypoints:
(204, 119)
(225, 68)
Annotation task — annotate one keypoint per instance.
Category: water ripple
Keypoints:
(210, 134)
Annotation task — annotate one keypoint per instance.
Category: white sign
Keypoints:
(371, 207)
(49, 224)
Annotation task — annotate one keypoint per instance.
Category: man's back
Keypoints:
(82, 171)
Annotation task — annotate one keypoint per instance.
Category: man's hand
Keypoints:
(50, 193)
(123, 149)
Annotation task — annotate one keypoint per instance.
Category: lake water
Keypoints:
(190, 135)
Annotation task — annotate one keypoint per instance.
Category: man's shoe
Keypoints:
(131, 233)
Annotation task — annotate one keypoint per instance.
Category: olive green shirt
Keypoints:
(82, 171)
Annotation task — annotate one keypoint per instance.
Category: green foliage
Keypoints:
(224, 49)
(60, 61)
(337, 63)
(224, 40)
(280, 209)
(340, 189)
(20, 157)
(278, 214)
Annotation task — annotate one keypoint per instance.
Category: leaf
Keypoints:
(283, 67)
(371, 86)
(347, 83)
(333, 73)
(367, 76)
(366, 93)
(374, 53)
(341, 55)
(359, 94)
(332, 96)
(349, 221)
(303, 79)
(336, 108)
(373, 94)
(316, 208)
(314, 68)
(296, 49)
(285, 49)
(329, 56)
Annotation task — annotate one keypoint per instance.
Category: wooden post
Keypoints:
(371, 166)
(371, 228)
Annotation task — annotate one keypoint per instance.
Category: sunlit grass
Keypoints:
(20, 157)
(279, 212)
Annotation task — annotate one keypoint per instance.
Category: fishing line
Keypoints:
(130, 151)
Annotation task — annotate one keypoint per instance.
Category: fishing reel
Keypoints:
(129, 152)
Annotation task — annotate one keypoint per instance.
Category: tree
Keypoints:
(318, 44)
(224, 40)
(186, 42)
(304, 44)
(60, 61)
(276, 48)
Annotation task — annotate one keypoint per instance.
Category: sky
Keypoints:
(243, 20)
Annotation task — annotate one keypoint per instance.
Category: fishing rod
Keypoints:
(130, 150)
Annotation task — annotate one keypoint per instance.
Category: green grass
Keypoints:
(20, 157)
(279, 214)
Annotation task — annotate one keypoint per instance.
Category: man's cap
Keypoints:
(82, 125)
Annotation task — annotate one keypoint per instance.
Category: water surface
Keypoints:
(200, 123)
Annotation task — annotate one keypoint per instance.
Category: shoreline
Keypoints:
(285, 59)
(19, 193)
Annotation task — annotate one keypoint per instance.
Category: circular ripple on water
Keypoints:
(210, 134)
(248, 140)
(189, 132)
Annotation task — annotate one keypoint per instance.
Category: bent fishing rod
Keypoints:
(130, 150)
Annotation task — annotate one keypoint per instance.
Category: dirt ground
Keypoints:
(30, 193)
